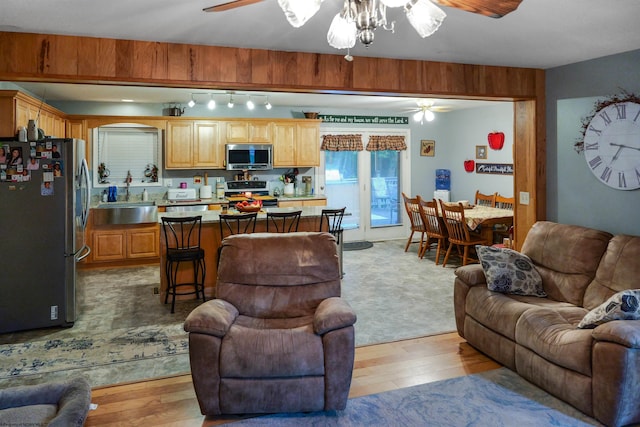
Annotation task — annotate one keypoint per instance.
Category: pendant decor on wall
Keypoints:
(610, 141)
(496, 140)
(469, 165)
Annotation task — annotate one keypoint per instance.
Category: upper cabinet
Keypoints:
(17, 108)
(193, 144)
(296, 143)
(248, 131)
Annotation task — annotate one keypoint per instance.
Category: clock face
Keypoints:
(612, 145)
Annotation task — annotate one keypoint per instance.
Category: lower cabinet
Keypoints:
(125, 242)
(296, 203)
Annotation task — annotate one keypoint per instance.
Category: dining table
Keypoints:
(483, 218)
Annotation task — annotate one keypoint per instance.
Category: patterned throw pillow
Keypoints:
(510, 272)
(625, 305)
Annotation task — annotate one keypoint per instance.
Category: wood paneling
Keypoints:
(56, 58)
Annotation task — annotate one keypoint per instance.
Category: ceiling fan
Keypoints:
(494, 9)
(425, 110)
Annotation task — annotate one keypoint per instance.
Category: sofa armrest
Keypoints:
(471, 275)
(333, 313)
(623, 332)
(214, 317)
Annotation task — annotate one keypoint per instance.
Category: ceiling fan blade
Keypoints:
(491, 8)
(230, 5)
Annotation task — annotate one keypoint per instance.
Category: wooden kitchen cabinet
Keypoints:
(17, 108)
(298, 203)
(248, 131)
(193, 145)
(178, 145)
(296, 143)
(125, 242)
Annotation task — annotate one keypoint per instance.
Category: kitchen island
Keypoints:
(210, 241)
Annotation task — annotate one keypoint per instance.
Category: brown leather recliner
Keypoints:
(278, 337)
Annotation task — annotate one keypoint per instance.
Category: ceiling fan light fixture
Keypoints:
(342, 32)
(429, 116)
(394, 3)
(424, 16)
(419, 116)
(298, 12)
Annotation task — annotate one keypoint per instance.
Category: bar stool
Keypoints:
(283, 222)
(241, 223)
(182, 239)
(333, 220)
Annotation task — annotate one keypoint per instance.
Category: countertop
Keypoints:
(212, 201)
(214, 216)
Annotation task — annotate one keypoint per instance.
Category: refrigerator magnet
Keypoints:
(46, 188)
(57, 169)
(47, 176)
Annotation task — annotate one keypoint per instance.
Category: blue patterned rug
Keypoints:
(71, 355)
(498, 398)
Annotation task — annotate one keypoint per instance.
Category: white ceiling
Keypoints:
(539, 34)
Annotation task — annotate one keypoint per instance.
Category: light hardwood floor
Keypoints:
(378, 368)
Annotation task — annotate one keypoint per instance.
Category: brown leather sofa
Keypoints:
(595, 370)
(278, 337)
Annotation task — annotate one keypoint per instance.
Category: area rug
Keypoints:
(75, 355)
(490, 399)
(357, 246)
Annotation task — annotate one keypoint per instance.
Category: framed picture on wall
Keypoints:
(428, 148)
(481, 151)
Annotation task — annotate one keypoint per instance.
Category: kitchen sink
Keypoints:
(125, 213)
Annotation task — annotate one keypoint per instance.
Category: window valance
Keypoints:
(351, 142)
(386, 142)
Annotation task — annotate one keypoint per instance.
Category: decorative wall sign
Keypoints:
(427, 148)
(495, 168)
(481, 152)
(376, 120)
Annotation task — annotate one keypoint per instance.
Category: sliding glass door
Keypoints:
(369, 184)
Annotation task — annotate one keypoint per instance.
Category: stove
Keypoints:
(235, 191)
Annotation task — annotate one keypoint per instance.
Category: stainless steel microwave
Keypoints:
(249, 156)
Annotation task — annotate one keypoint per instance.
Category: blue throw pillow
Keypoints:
(625, 305)
(510, 272)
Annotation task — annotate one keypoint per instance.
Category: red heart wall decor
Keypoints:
(496, 140)
(469, 165)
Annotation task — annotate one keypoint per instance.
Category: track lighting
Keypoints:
(267, 104)
(230, 104)
(192, 102)
(250, 104)
(212, 104)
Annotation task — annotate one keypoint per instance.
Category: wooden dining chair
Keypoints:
(412, 206)
(434, 223)
(505, 202)
(485, 199)
(459, 234)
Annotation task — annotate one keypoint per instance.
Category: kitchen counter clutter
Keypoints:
(214, 215)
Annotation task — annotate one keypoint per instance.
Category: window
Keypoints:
(127, 148)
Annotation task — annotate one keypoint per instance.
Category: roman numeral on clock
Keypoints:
(595, 162)
(622, 182)
(621, 109)
(606, 118)
(606, 174)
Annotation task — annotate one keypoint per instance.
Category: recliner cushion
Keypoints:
(269, 348)
(551, 333)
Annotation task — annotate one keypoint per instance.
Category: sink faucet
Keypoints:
(128, 181)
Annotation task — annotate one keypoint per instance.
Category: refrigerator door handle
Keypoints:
(83, 253)
(84, 175)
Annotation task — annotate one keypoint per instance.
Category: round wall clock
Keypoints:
(612, 145)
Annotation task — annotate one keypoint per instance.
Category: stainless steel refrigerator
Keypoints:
(44, 205)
